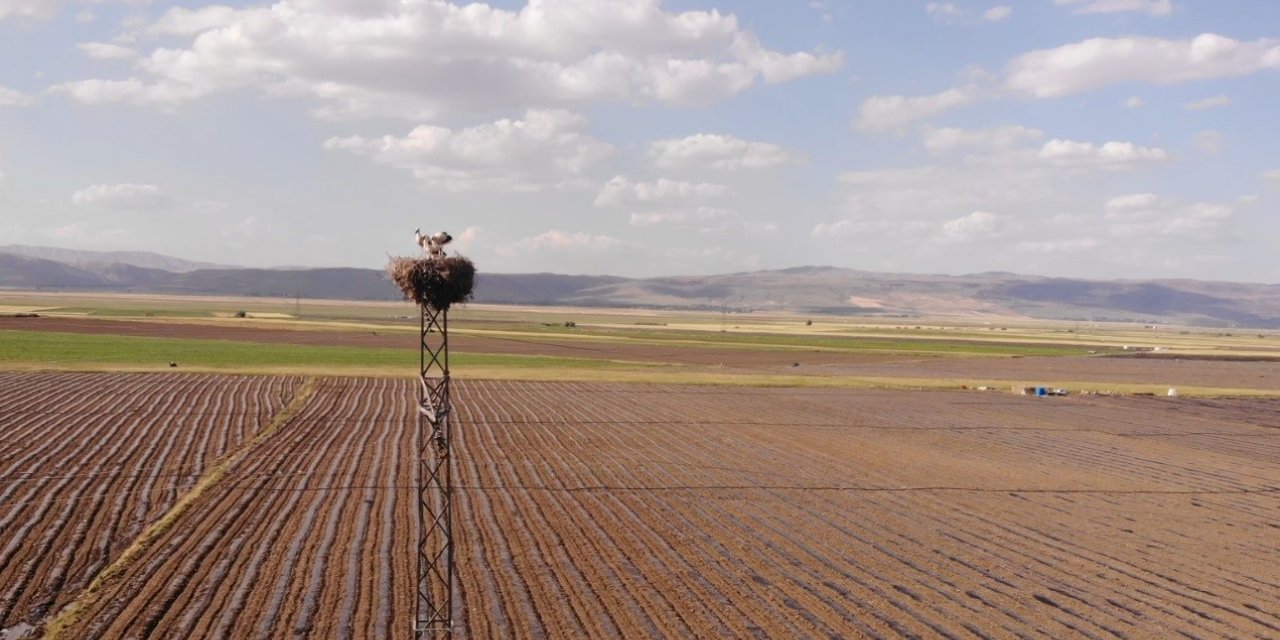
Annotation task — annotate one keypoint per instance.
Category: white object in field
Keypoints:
(1173, 393)
(432, 244)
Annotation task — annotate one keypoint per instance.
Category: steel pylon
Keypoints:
(434, 609)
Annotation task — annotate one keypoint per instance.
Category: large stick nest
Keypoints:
(437, 283)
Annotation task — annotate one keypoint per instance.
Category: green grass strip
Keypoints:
(77, 351)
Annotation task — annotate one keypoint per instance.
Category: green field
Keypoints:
(611, 338)
(52, 350)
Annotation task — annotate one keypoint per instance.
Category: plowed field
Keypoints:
(593, 510)
(87, 461)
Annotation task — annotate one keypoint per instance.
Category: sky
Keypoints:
(1108, 139)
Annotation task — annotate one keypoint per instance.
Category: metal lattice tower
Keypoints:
(434, 618)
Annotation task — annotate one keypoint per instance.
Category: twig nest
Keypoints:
(437, 283)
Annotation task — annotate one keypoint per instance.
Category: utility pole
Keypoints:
(434, 281)
(435, 481)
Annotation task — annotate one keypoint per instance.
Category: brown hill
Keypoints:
(802, 289)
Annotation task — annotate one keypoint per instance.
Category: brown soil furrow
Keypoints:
(25, 557)
(270, 512)
(911, 512)
(657, 438)
(558, 447)
(333, 587)
(608, 510)
(282, 598)
(348, 600)
(805, 543)
(558, 597)
(88, 494)
(641, 604)
(128, 597)
(785, 545)
(481, 441)
(379, 604)
(503, 600)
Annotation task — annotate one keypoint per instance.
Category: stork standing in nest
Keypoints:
(432, 244)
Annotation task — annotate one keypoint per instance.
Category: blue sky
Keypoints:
(1087, 138)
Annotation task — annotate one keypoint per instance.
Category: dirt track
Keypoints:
(620, 511)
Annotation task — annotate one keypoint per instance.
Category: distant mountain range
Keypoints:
(826, 290)
(144, 259)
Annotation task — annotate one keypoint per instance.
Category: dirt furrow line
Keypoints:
(270, 511)
(130, 486)
(383, 605)
(327, 579)
(348, 599)
(69, 616)
(602, 542)
(25, 556)
(677, 448)
(652, 543)
(281, 599)
(507, 602)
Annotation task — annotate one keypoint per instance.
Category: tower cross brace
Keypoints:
(434, 607)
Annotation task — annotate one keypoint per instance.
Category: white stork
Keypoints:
(432, 244)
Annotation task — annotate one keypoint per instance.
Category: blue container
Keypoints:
(1042, 391)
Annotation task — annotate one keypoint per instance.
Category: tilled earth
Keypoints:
(600, 510)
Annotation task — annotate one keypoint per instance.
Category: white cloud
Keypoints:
(996, 14)
(556, 241)
(950, 13)
(1121, 206)
(1101, 62)
(1209, 142)
(128, 196)
(107, 51)
(27, 8)
(706, 218)
(942, 11)
(545, 150)
(1148, 213)
(244, 232)
(11, 98)
(1110, 155)
(132, 91)
(1208, 103)
(622, 191)
(705, 150)
(49, 8)
(1271, 176)
(412, 60)
(186, 22)
(710, 260)
(776, 68)
(1003, 169)
(466, 239)
(82, 233)
(1153, 7)
(895, 113)
(947, 140)
(938, 190)
(69, 231)
(976, 225)
(1134, 102)
(1071, 245)
(823, 8)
